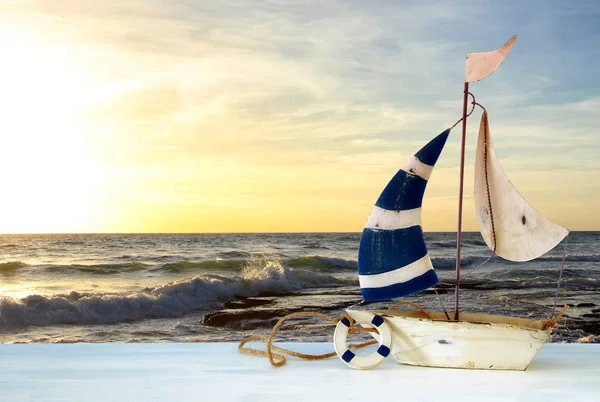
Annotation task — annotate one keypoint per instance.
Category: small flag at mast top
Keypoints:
(480, 65)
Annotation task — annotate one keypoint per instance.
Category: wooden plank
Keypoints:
(217, 372)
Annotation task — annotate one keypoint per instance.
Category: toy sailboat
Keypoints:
(393, 260)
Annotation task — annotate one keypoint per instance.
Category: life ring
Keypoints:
(363, 362)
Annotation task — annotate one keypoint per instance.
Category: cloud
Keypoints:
(325, 98)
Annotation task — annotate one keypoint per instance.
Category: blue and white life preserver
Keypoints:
(363, 362)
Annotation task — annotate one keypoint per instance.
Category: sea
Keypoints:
(67, 288)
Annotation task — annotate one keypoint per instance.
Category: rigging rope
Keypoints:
(551, 323)
(468, 114)
(562, 264)
(485, 170)
(437, 296)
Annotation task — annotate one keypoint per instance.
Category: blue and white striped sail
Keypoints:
(392, 256)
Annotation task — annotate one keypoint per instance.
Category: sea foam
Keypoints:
(203, 292)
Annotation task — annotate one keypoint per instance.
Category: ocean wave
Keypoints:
(338, 262)
(321, 263)
(74, 242)
(449, 262)
(475, 242)
(11, 265)
(259, 276)
(234, 254)
(452, 243)
(315, 246)
(9, 245)
(352, 237)
(99, 269)
(449, 244)
(187, 266)
(515, 278)
(316, 263)
(573, 258)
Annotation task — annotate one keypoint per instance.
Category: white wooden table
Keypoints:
(217, 372)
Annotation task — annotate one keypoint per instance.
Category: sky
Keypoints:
(284, 116)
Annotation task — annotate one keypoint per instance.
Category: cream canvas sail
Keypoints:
(517, 231)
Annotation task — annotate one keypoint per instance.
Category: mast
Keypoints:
(478, 66)
(460, 199)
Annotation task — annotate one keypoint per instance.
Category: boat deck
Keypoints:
(467, 317)
(217, 372)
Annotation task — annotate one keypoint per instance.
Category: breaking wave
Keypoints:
(259, 276)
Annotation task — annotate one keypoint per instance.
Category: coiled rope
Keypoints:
(278, 359)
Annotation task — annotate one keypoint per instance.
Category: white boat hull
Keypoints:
(477, 341)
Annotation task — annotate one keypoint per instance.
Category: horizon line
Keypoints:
(223, 233)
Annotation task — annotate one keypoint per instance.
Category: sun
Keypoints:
(48, 174)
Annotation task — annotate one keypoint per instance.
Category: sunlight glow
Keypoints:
(153, 116)
(49, 178)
